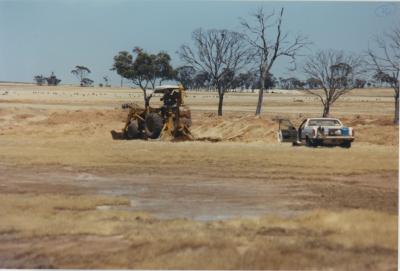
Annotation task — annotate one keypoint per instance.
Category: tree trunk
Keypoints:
(260, 101)
(396, 109)
(325, 114)
(263, 76)
(220, 102)
(122, 81)
(145, 96)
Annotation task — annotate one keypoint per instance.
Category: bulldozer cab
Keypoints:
(286, 132)
(172, 95)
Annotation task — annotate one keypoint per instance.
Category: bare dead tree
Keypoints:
(269, 42)
(335, 74)
(385, 63)
(218, 53)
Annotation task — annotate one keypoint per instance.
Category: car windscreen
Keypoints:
(324, 122)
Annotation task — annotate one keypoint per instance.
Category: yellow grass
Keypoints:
(145, 242)
(251, 158)
(47, 222)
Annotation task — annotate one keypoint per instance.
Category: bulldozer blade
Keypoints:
(187, 134)
(117, 135)
(184, 134)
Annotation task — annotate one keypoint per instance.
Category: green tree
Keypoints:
(145, 69)
(185, 75)
(86, 82)
(40, 80)
(52, 80)
(106, 81)
(202, 79)
(122, 64)
(313, 83)
(81, 72)
(162, 68)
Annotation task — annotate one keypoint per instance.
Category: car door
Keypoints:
(302, 132)
(286, 132)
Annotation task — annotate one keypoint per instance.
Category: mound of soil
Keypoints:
(206, 126)
(84, 116)
(234, 127)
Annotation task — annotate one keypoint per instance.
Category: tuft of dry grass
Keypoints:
(55, 229)
(40, 215)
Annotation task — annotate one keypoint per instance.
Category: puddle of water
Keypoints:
(204, 202)
(196, 197)
(104, 207)
(88, 177)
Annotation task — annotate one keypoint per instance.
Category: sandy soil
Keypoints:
(72, 197)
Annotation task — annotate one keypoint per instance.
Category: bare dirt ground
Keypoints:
(71, 197)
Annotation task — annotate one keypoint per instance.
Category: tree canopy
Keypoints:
(52, 80)
(335, 73)
(221, 54)
(81, 73)
(269, 42)
(144, 69)
(384, 62)
(185, 75)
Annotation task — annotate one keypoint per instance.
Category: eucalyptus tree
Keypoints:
(86, 82)
(81, 72)
(185, 75)
(144, 70)
(334, 74)
(220, 54)
(385, 63)
(39, 79)
(269, 43)
(122, 64)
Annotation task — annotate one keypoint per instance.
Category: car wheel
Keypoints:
(346, 144)
(310, 142)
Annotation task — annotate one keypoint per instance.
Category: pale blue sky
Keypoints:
(41, 36)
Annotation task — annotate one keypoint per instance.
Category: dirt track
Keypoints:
(67, 185)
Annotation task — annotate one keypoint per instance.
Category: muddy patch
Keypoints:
(166, 197)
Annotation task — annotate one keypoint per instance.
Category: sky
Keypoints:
(44, 36)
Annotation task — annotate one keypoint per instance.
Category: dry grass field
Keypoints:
(71, 197)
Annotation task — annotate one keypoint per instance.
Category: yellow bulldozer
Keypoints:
(170, 121)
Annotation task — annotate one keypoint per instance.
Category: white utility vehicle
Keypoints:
(315, 132)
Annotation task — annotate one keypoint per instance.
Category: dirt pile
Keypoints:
(84, 116)
(206, 126)
(365, 120)
(374, 130)
(234, 127)
(230, 127)
(59, 122)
